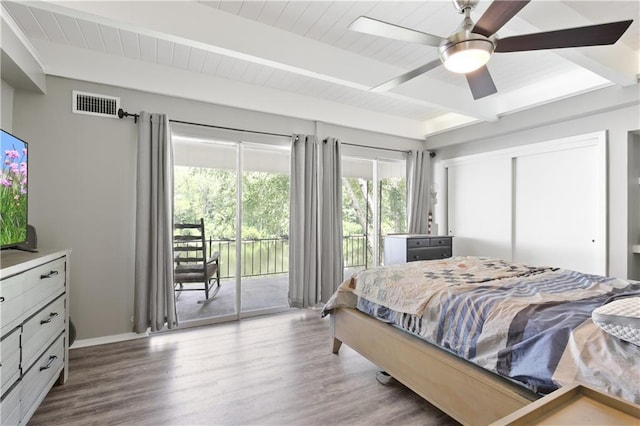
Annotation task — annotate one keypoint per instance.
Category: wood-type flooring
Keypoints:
(272, 370)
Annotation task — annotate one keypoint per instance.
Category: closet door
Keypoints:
(559, 209)
(479, 207)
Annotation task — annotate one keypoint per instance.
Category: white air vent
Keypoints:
(93, 104)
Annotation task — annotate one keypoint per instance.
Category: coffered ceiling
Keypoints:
(299, 58)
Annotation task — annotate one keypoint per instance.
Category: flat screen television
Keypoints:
(13, 191)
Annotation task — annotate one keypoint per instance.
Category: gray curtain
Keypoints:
(304, 265)
(331, 256)
(154, 303)
(418, 191)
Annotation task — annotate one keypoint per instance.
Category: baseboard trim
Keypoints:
(83, 343)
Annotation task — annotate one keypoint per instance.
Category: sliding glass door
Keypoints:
(241, 191)
(392, 201)
(373, 206)
(265, 229)
(206, 186)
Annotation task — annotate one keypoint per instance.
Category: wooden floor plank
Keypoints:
(261, 371)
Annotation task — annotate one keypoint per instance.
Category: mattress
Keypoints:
(532, 325)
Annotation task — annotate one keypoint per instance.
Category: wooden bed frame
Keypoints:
(461, 389)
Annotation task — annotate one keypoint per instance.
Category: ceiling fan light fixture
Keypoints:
(466, 56)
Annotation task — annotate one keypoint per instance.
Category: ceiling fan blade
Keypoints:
(592, 35)
(384, 29)
(496, 15)
(481, 83)
(406, 77)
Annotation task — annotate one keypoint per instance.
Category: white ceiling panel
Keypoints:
(251, 73)
(49, 25)
(196, 60)
(164, 50)
(314, 12)
(263, 75)
(71, 29)
(181, 56)
(130, 45)
(230, 6)
(225, 66)
(337, 28)
(305, 48)
(211, 63)
(291, 14)
(238, 69)
(26, 20)
(148, 48)
(111, 39)
(251, 9)
(271, 12)
(92, 36)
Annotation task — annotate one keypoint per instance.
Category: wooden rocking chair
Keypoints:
(191, 264)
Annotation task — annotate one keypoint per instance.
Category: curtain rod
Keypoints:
(122, 114)
(375, 147)
(431, 154)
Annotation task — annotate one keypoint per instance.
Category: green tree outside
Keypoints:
(211, 194)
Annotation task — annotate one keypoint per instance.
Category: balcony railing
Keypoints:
(268, 256)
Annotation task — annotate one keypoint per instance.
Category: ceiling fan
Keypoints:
(467, 50)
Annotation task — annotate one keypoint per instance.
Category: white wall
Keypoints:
(618, 113)
(634, 203)
(82, 185)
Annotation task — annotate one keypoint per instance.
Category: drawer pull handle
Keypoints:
(1, 299)
(52, 315)
(49, 275)
(48, 366)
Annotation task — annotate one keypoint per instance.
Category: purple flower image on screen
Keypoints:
(13, 190)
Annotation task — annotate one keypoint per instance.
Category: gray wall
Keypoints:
(82, 185)
(563, 119)
(6, 107)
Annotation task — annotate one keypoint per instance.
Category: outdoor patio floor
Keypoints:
(263, 292)
(260, 292)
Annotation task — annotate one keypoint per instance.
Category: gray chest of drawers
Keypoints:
(402, 248)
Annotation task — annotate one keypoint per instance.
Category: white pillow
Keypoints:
(620, 318)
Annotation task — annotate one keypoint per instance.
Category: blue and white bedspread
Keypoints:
(530, 325)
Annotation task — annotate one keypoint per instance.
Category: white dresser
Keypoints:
(34, 313)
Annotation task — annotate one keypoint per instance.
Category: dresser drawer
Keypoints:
(11, 301)
(33, 343)
(41, 376)
(441, 242)
(10, 413)
(428, 253)
(43, 284)
(9, 359)
(41, 330)
(417, 242)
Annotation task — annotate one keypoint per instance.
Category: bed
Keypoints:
(481, 338)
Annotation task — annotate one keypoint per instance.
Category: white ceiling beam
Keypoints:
(617, 63)
(88, 65)
(210, 29)
(20, 65)
(560, 113)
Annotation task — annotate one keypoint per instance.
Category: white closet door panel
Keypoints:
(479, 199)
(558, 209)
